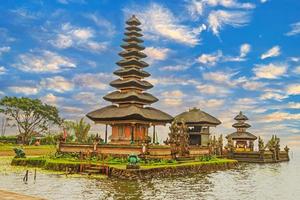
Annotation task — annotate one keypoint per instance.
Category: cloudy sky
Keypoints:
(222, 56)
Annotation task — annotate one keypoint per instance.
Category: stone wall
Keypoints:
(258, 157)
(168, 171)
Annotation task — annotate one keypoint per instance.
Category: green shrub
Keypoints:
(8, 139)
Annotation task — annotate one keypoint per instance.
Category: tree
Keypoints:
(81, 129)
(5, 123)
(30, 115)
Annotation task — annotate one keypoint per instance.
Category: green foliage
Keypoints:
(8, 139)
(30, 115)
(206, 158)
(81, 129)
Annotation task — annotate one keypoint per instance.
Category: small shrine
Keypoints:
(130, 115)
(241, 139)
(198, 123)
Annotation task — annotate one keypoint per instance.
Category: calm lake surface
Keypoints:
(249, 181)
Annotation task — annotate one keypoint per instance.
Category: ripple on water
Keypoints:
(249, 181)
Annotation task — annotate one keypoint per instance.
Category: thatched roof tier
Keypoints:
(133, 21)
(241, 135)
(125, 83)
(133, 46)
(133, 39)
(132, 62)
(137, 54)
(241, 116)
(133, 34)
(131, 112)
(241, 125)
(133, 28)
(131, 96)
(197, 117)
(131, 71)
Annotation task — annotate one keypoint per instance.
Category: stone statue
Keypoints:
(261, 145)
(20, 153)
(133, 161)
(178, 139)
(220, 145)
(286, 149)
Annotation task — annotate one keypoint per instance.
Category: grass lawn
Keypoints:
(7, 150)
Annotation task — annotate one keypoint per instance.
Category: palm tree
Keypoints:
(81, 129)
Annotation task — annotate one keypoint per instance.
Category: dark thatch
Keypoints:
(135, 46)
(118, 96)
(119, 83)
(138, 54)
(197, 116)
(131, 71)
(241, 135)
(133, 21)
(130, 112)
(241, 116)
(132, 62)
(241, 125)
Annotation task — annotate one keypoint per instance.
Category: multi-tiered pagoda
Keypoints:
(129, 116)
(243, 140)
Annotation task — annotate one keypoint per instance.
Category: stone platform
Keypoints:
(6, 195)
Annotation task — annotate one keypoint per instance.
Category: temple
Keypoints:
(130, 115)
(198, 123)
(242, 140)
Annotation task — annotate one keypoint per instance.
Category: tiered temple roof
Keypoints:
(241, 127)
(130, 100)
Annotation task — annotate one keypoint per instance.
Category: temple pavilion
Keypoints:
(130, 115)
(198, 123)
(242, 140)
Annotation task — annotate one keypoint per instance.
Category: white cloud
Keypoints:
(213, 58)
(70, 109)
(294, 105)
(263, 1)
(297, 70)
(86, 98)
(273, 96)
(172, 98)
(293, 89)
(295, 29)
(159, 21)
(102, 23)
(211, 103)
(281, 116)
(2, 70)
(270, 71)
(253, 85)
(245, 49)
(218, 19)
(174, 68)
(78, 37)
(210, 59)
(50, 99)
(57, 84)
(154, 53)
(219, 77)
(4, 49)
(213, 89)
(95, 81)
(24, 90)
(273, 52)
(46, 61)
(197, 7)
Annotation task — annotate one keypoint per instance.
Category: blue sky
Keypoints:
(222, 56)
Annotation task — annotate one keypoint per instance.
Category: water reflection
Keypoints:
(249, 181)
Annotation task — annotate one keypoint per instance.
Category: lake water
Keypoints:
(249, 181)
